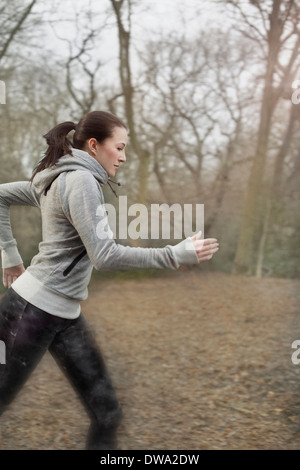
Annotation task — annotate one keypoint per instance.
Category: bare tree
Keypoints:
(13, 16)
(82, 65)
(195, 85)
(123, 11)
(276, 185)
(277, 36)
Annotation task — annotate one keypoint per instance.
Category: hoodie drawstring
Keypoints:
(49, 185)
(115, 182)
(108, 182)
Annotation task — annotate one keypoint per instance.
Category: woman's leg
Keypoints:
(26, 332)
(78, 355)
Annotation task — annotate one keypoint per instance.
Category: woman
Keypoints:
(41, 311)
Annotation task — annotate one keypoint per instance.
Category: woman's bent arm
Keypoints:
(16, 193)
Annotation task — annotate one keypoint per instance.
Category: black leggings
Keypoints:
(28, 332)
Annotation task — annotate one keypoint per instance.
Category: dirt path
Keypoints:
(199, 361)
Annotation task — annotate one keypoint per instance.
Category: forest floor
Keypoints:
(199, 361)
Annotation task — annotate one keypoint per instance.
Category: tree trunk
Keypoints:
(263, 238)
(128, 92)
(277, 181)
(243, 257)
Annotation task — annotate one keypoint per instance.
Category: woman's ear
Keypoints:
(93, 145)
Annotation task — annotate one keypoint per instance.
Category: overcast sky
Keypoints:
(149, 18)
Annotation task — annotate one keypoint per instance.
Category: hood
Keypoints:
(79, 160)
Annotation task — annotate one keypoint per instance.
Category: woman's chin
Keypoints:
(112, 173)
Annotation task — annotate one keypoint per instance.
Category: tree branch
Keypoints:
(17, 27)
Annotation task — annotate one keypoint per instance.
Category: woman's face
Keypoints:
(111, 152)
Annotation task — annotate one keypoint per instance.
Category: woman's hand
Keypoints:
(206, 248)
(11, 274)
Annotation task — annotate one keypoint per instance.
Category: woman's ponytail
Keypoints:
(96, 124)
(58, 145)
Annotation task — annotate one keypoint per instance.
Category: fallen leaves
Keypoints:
(199, 361)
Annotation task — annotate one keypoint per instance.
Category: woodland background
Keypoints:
(209, 93)
(200, 357)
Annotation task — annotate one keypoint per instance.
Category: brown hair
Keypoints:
(96, 124)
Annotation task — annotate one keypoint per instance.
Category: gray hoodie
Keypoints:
(69, 195)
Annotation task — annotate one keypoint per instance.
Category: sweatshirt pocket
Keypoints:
(74, 262)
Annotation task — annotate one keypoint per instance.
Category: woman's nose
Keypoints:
(123, 157)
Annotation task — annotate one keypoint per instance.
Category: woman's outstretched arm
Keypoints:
(81, 200)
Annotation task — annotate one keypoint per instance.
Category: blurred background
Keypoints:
(209, 93)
